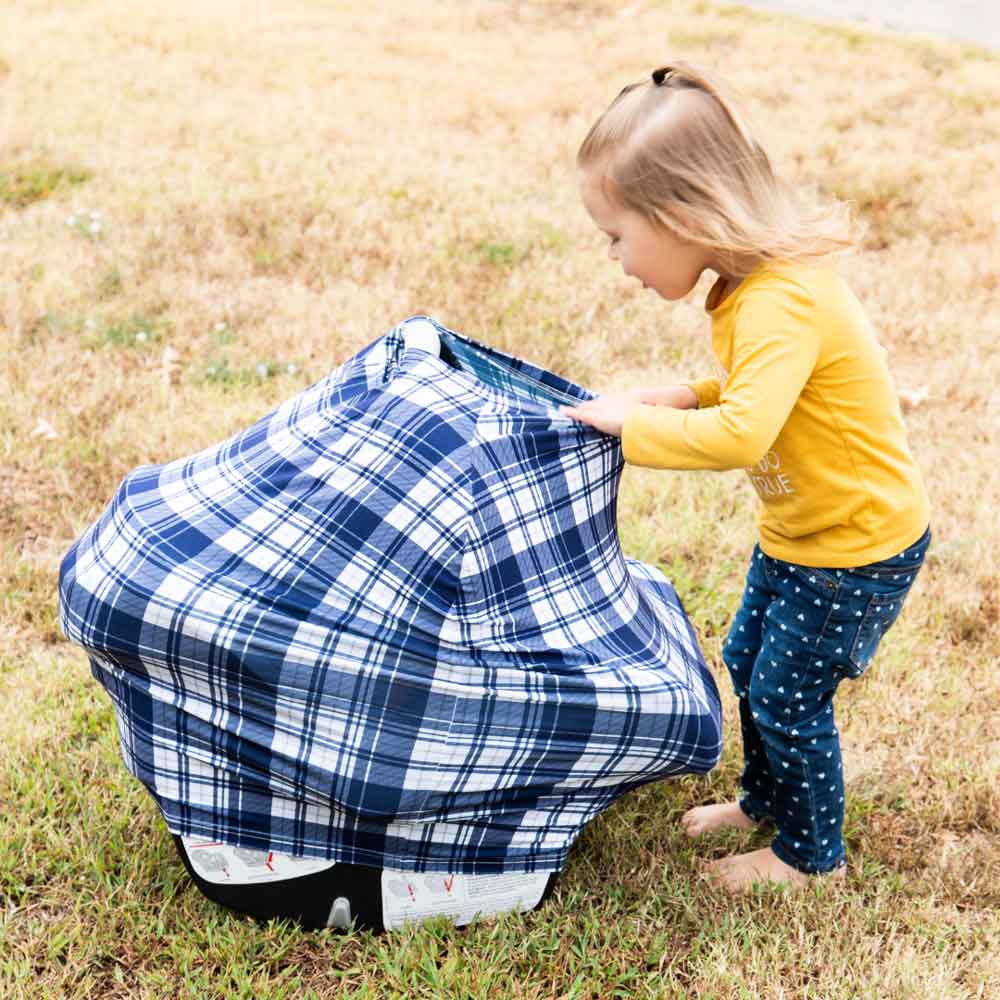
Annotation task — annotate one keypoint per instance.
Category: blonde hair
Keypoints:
(675, 149)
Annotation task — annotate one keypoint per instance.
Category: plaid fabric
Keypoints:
(391, 623)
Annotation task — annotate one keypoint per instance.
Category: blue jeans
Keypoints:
(799, 631)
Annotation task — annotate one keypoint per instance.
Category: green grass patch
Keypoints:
(500, 254)
(219, 371)
(24, 184)
(136, 332)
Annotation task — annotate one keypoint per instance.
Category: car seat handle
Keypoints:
(422, 334)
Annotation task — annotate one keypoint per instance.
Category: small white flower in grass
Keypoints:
(292, 369)
(89, 324)
(44, 429)
(95, 227)
(219, 327)
(210, 370)
(141, 337)
(262, 370)
(71, 220)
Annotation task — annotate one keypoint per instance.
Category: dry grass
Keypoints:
(308, 175)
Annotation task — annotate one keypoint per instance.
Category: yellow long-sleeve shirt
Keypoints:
(807, 406)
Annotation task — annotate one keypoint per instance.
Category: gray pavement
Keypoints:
(973, 21)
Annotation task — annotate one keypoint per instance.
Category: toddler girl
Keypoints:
(804, 402)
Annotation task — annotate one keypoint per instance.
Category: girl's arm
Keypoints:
(707, 391)
(682, 397)
(608, 410)
(775, 349)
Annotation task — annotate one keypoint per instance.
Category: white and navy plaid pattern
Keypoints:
(391, 623)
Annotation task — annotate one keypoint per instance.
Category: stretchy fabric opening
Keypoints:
(502, 377)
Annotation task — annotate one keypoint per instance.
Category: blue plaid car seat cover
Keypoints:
(391, 623)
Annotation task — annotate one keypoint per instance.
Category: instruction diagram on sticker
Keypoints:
(410, 896)
(221, 864)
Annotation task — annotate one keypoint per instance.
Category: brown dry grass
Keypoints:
(308, 174)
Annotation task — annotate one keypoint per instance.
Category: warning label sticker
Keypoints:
(410, 896)
(221, 864)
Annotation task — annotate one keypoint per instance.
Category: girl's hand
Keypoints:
(607, 412)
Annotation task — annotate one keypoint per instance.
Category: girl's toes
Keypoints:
(689, 824)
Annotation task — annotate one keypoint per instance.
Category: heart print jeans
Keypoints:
(800, 631)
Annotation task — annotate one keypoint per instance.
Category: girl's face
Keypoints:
(668, 264)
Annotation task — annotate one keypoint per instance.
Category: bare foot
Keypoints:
(740, 871)
(702, 819)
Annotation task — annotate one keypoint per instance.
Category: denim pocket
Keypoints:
(878, 618)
